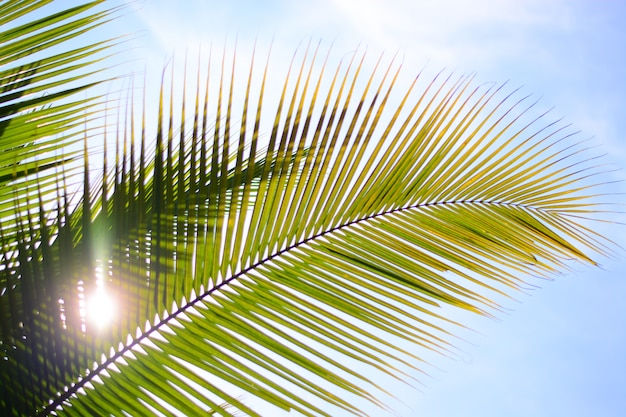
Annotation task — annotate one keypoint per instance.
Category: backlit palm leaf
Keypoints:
(41, 116)
(268, 265)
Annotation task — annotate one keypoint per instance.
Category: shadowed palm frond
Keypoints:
(268, 264)
(42, 120)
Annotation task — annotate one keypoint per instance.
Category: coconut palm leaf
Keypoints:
(38, 79)
(247, 270)
(41, 116)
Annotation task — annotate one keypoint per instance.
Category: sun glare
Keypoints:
(100, 308)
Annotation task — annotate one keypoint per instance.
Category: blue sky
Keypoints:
(562, 350)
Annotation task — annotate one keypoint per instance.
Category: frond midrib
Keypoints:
(192, 303)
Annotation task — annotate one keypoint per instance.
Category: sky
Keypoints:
(562, 349)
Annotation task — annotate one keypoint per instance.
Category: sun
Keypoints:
(100, 308)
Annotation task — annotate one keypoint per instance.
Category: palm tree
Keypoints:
(262, 264)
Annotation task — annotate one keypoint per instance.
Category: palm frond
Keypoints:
(267, 265)
(42, 118)
(265, 272)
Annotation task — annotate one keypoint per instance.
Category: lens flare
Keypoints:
(100, 308)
